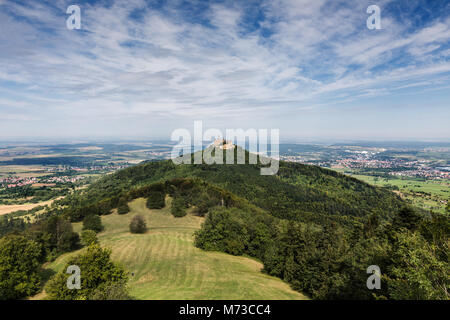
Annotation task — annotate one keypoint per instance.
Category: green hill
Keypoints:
(316, 229)
(297, 192)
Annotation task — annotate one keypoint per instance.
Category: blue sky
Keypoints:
(140, 69)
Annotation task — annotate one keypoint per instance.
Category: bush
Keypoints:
(100, 277)
(88, 237)
(123, 209)
(92, 222)
(178, 207)
(223, 230)
(20, 262)
(156, 200)
(122, 206)
(114, 291)
(201, 209)
(138, 225)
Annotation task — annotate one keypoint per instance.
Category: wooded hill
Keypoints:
(297, 192)
(315, 228)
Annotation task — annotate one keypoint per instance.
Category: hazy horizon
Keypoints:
(124, 140)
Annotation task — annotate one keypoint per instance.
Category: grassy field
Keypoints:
(429, 194)
(5, 209)
(22, 171)
(166, 265)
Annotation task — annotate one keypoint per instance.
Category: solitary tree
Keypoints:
(138, 225)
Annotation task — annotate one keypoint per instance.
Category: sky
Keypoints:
(141, 69)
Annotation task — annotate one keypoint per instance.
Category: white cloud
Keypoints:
(168, 66)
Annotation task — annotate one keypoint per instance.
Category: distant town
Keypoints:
(351, 159)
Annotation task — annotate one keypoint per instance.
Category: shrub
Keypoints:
(138, 225)
(123, 209)
(20, 261)
(122, 206)
(223, 230)
(178, 207)
(156, 200)
(99, 275)
(88, 237)
(92, 222)
(202, 209)
(114, 291)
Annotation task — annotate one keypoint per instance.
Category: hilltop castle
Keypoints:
(223, 144)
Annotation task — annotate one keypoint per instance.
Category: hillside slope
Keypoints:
(296, 192)
(166, 265)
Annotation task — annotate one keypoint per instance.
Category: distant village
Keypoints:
(90, 168)
(13, 182)
(365, 160)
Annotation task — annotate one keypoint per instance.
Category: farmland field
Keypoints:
(5, 209)
(429, 194)
(22, 171)
(166, 265)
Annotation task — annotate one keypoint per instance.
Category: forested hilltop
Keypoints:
(316, 229)
(295, 192)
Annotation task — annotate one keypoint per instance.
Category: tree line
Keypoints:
(328, 260)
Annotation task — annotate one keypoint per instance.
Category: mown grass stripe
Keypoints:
(168, 266)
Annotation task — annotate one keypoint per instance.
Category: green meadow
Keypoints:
(428, 194)
(164, 264)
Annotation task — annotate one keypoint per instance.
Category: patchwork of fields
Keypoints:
(429, 194)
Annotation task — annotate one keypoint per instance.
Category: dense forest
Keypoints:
(316, 229)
